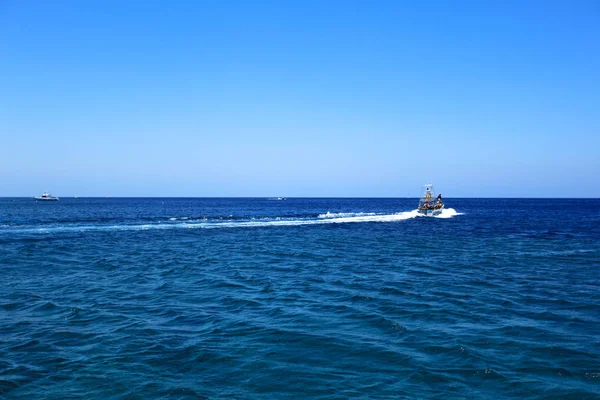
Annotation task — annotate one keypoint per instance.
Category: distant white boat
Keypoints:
(281, 198)
(46, 197)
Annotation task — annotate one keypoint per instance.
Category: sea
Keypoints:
(304, 298)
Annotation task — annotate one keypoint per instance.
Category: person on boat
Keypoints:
(439, 198)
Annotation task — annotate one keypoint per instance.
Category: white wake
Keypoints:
(448, 213)
(322, 219)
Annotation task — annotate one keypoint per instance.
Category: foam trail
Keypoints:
(339, 218)
(339, 215)
(297, 222)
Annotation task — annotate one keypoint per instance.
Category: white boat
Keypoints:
(430, 205)
(46, 197)
(281, 198)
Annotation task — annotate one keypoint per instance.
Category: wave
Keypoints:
(322, 219)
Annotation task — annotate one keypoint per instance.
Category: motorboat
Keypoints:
(281, 198)
(430, 204)
(46, 197)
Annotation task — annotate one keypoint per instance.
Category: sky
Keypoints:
(300, 98)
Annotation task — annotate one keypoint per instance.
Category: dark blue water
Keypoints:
(302, 299)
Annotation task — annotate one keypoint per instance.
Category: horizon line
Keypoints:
(295, 197)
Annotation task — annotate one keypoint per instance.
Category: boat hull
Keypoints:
(431, 213)
(46, 198)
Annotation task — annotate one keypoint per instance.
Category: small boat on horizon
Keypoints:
(46, 197)
(281, 198)
(427, 206)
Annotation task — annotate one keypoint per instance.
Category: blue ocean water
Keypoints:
(303, 299)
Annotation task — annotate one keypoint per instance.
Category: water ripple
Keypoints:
(500, 302)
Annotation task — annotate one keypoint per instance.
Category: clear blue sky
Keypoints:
(303, 98)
